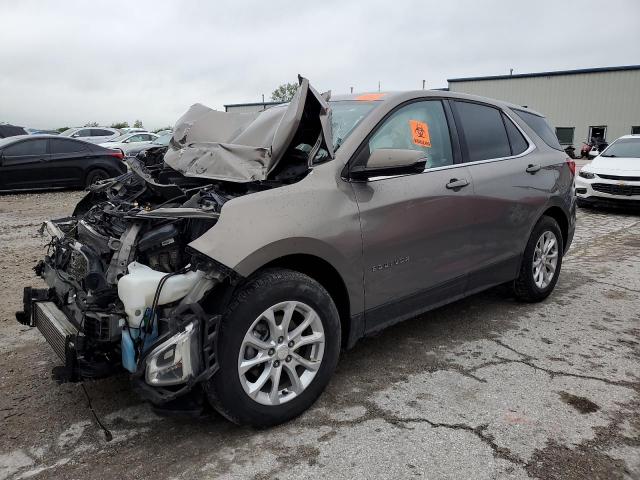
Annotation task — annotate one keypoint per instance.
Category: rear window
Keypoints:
(99, 132)
(541, 127)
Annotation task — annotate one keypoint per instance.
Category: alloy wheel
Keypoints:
(545, 259)
(281, 353)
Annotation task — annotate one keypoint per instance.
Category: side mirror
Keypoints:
(390, 161)
(75, 135)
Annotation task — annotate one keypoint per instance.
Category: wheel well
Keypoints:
(558, 215)
(92, 170)
(327, 276)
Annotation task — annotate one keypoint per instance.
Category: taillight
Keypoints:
(118, 154)
(572, 166)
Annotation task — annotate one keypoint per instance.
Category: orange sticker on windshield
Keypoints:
(368, 97)
(420, 133)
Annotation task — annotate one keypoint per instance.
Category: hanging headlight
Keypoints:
(176, 360)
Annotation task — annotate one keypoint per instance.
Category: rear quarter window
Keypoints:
(541, 127)
(517, 141)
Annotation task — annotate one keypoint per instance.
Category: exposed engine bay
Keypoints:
(125, 292)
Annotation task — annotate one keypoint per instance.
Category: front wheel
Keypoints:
(278, 347)
(541, 262)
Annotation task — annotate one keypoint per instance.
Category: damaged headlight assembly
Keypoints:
(176, 360)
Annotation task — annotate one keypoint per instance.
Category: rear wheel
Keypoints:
(279, 345)
(95, 176)
(541, 262)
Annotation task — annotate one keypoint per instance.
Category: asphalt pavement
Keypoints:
(483, 388)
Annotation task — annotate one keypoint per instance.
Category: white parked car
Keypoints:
(130, 140)
(133, 130)
(613, 177)
(92, 134)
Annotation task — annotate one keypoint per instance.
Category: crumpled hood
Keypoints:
(246, 147)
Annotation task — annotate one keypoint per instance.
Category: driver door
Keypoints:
(25, 164)
(414, 227)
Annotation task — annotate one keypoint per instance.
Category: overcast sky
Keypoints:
(66, 63)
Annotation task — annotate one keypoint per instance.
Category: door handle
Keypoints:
(532, 168)
(454, 183)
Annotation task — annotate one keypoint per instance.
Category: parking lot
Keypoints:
(483, 388)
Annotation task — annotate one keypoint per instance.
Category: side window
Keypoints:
(418, 126)
(135, 138)
(85, 132)
(517, 141)
(28, 147)
(484, 131)
(58, 145)
(146, 137)
(99, 132)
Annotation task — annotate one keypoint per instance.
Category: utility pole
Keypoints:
(510, 71)
(423, 83)
(351, 89)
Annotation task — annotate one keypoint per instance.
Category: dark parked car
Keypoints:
(235, 270)
(46, 161)
(7, 130)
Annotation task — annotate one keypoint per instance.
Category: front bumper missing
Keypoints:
(205, 327)
(67, 342)
(55, 327)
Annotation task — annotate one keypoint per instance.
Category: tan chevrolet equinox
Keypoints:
(229, 269)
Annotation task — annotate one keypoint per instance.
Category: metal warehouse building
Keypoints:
(580, 104)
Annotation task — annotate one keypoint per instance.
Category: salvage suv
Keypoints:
(231, 267)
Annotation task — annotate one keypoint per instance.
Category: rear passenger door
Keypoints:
(68, 161)
(507, 197)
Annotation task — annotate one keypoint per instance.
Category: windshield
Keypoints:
(623, 147)
(68, 132)
(345, 116)
(163, 139)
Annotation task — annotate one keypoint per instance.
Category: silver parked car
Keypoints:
(130, 140)
(92, 134)
(232, 270)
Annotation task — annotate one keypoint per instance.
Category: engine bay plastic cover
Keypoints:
(246, 147)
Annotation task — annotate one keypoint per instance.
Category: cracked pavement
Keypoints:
(482, 388)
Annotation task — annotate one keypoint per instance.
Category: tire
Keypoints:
(525, 287)
(269, 290)
(95, 176)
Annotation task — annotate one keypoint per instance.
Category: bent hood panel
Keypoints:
(246, 147)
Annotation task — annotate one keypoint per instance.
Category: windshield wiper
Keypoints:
(612, 155)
